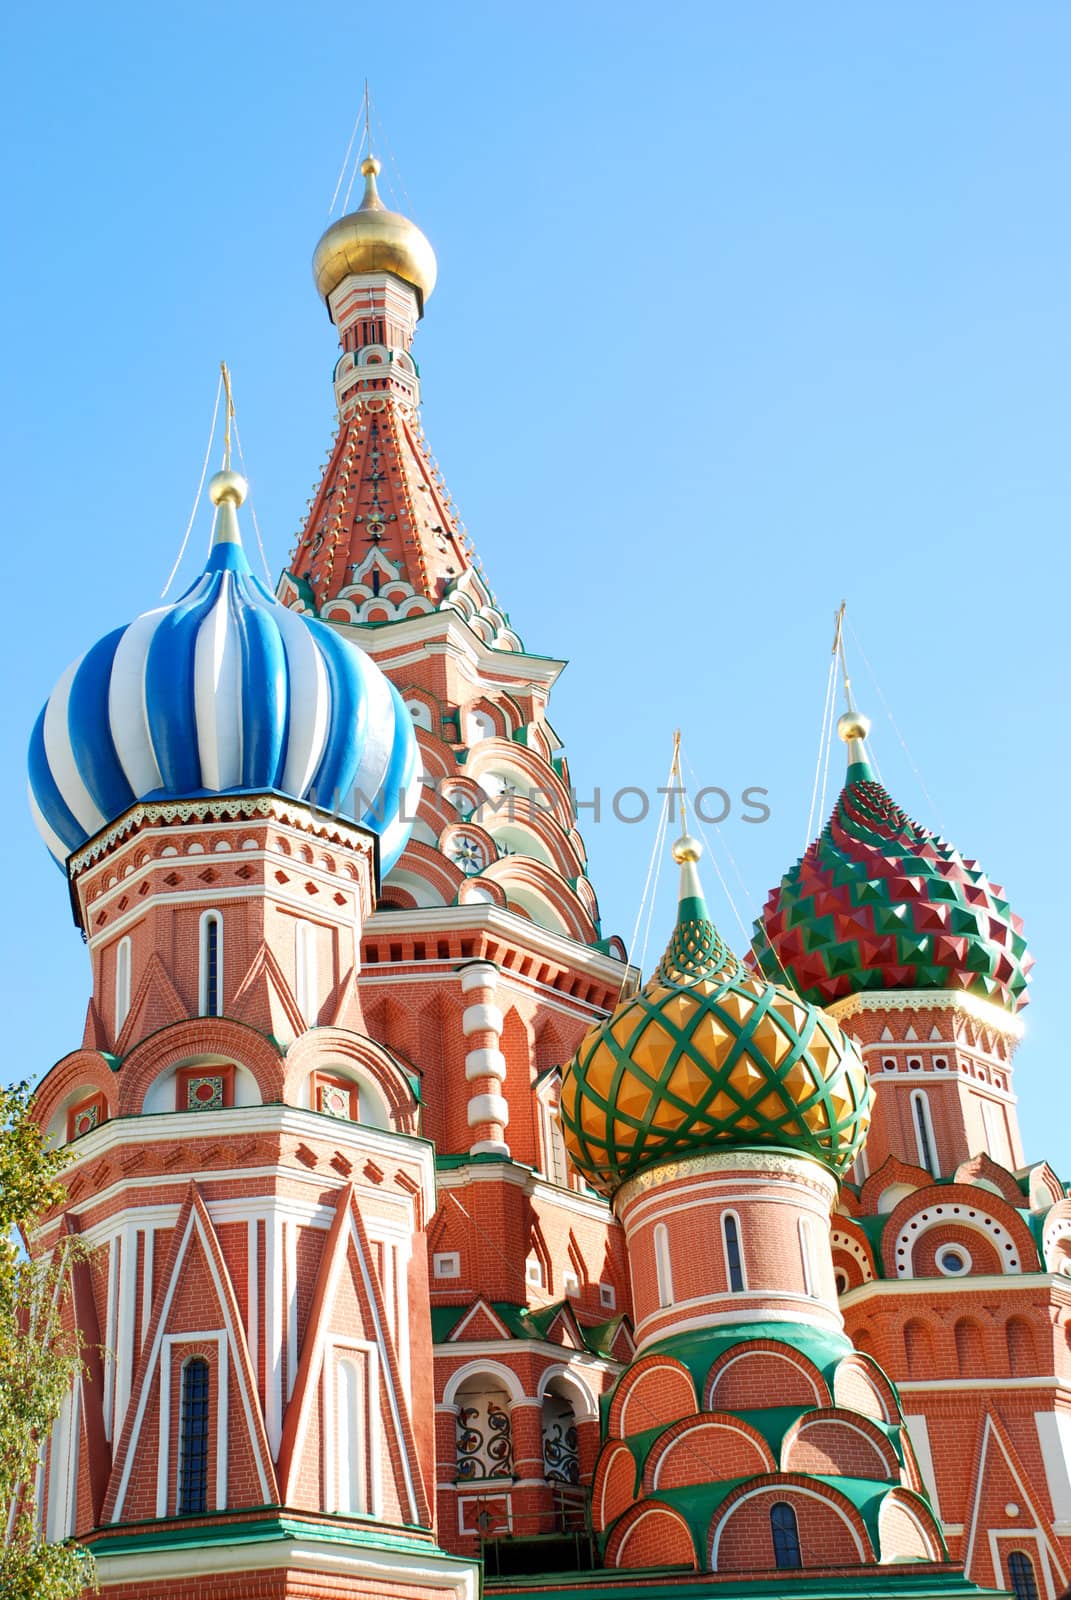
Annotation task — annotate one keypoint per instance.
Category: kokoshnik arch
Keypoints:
(417, 1231)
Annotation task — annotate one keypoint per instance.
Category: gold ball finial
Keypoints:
(370, 167)
(227, 488)
(852, 725)
(686, 849)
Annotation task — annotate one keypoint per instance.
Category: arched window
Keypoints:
(810, 1265)
(420, 714)
(1021, 1574)
(927, 1145)
(211, 980)
(561, 1457)
(307, 990)
(1022, 1352)
(663, 1267)
(918, 1346)
(484, 1436)
(734, 1260)
(556, 1165)
(193, 1438)
(996, 1137)
(968, 1338)
(786, 1537)
(122, 983)
(480, 725)
(351, 1494)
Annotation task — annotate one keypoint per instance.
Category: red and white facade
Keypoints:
(315, 1144)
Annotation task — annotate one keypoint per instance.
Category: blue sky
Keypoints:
(741, 310)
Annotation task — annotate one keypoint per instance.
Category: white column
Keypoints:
(485, 1065)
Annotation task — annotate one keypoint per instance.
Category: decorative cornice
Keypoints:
(771, 1163)
(218, 808)
(971, 1005)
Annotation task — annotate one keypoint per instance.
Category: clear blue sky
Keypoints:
(741, 309)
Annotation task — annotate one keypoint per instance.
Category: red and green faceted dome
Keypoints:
(879, 902)
(706, 1056)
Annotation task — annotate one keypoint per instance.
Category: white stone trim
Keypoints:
(488, 1108)
(485, 1063)
(566, 1374)
(1050, 1281)
(956, 1214)
(1054, 1437)
(453, 1575)
(918, 1429)
(479, 975)
(109, 1328)
(482, 1368)
(986, 1012)
(481, 1018)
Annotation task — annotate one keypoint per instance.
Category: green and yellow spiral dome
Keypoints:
(706, 1055)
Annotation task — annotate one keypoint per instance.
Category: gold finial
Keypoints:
(853, 725)
(686, 849)
(227, 487)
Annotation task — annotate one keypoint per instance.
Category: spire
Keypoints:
(382, 540)
(227, 490)
(853, 725)
(696, 949)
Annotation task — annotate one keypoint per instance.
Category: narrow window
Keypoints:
(122, 983)
(211, 964)
(995, 1138)
(924, 1131)
(193, 1440)
(1021, 1572)
(734, 1260)
(786, 1537)
(307, 992)
(351, 1491)
(810, 1272)
(557, 1167)
(663, 1269)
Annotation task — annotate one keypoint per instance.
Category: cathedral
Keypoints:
(433, 1251)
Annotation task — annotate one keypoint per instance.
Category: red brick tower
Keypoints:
(952, 1255)
(345, 1304)
(484, 961)
(747, 1437)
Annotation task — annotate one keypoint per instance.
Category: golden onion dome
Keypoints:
(373, 239)
(708, 1055)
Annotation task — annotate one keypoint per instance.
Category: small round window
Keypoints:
(953, 1261)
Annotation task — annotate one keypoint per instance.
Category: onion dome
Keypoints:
(373, 239)
(879, 902)
(224, 692)
(708, 1055)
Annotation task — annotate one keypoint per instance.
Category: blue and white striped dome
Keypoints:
(226, 691)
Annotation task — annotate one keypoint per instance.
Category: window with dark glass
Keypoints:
(210, 958)
(1021, 1572)
(733, 1259)
(923, 1125)
(193, 1438)
(786, 1537)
